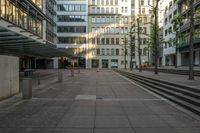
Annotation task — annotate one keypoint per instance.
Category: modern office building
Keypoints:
(183, 10)
(23, 37)
(49, 33)
(108, 24)
(178, 8)
(72, 26)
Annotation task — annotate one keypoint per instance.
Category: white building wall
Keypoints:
(9, 76)
(168, 50)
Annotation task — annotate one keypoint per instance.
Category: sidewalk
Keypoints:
(94, 102)
(174, 78)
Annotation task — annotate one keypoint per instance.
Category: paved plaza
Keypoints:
(93, 102)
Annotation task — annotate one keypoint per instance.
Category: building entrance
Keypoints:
(104, 63)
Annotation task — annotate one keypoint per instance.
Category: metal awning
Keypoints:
(12, 43)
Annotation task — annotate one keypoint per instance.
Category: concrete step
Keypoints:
(186, 97)
(186, 105)
(174, 71)
(174, 87)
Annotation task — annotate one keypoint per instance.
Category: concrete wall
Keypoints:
(9, 76)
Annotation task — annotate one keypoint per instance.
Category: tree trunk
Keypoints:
(191, 61)
(156, 38)
(139, 50)
(176, 56)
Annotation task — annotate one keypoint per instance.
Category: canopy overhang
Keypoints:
(12, 43)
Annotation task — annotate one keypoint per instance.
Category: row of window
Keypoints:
(107, 52)
(113, 52)
(19, 17)
(102, 41)
(108, 19)
(71, 7)
(71, 29)
(71, 18)
(116, 30)
(114, 41)
(72, 40)
(105, 2)
(108, 10)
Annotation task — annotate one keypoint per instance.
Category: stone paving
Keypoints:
(93, 102)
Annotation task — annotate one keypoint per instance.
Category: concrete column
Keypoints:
(27, 88)
(60, 76)
(179, 59)
(163, 60)
(197, 59)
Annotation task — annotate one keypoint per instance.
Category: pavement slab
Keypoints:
(93, 102)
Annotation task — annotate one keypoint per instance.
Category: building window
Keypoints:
(107, 40)
(71, 7)
(102, 51)
(112, 52)
(93, 40)
(107, 51)
(117, 40)
(98, 41)
(112, 41)
(117, 51)
(72, 40)
(102, 40)
(98, 51)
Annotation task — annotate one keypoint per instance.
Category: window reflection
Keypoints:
(19, 17)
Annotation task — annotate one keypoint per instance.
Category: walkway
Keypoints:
(93, 102)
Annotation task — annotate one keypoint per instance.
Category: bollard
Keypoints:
(27, 88)
(60, 76)
(72, 72)
(38, 78)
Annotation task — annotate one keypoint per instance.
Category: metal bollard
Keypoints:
(72, 72)
(27, 88)
(60, 76)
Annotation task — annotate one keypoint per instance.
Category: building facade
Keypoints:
(72, 28)
(108, 27)
(171, 9)
(183, 10)
(20, 23)
(141, 22)
(168, 12)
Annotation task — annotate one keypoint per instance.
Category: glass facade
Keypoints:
(71, 18)
(72, 7)
(71, 29)
(16, 15)
(71, 40)
(38, 3)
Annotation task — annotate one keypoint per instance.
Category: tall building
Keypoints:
(108, 24)
(142, 10)
(183, 10)
(168, 10)
(22, 38)
(72, 29)
(49, 33)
